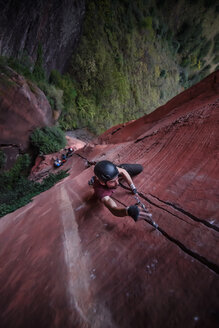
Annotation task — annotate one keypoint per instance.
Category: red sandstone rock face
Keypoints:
(23, 107)
(67, 262)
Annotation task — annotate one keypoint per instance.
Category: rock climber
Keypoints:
(64, 158)
(70, 152)
(106, 181)
(57, 163)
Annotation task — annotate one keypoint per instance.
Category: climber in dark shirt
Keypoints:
(106, 181)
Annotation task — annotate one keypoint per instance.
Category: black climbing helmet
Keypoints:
(106, 170)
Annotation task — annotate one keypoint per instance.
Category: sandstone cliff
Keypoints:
(67, 262)
(23, 107)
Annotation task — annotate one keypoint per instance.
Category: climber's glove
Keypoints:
(133, 188)
(133, 211)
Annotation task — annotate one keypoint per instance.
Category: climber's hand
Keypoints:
(133, 211)
(138, 214)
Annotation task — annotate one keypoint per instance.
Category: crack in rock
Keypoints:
(190, 215)
(210, 265)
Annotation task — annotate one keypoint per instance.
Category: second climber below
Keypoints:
(106, 181)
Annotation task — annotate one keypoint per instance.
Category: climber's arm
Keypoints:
(114, 209)
(132, 210)
(125, 175)
(128, 179)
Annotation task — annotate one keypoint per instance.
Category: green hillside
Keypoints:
(136, 55)
(132, 57)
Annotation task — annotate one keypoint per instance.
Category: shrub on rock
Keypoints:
(48, 140)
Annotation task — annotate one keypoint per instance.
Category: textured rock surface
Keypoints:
(67, 262)
(54, 24)
(23, 107)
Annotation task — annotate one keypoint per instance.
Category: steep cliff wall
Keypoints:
(132, 56)
(23, 107)
(67, 262)
(53, 24)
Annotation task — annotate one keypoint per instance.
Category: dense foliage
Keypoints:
(16, 190)
(135, 55)
(132, 57)
(2, 159)
(48, 140)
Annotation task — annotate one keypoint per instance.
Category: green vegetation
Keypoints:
(69, 116)
(48, 140)
(133, 56)
(59, 89)
(2, 159)
(17, 190)
(38, 71)
(53, 94)
(21, 66)
(24, 65)
(35, 75)
(116, 72)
